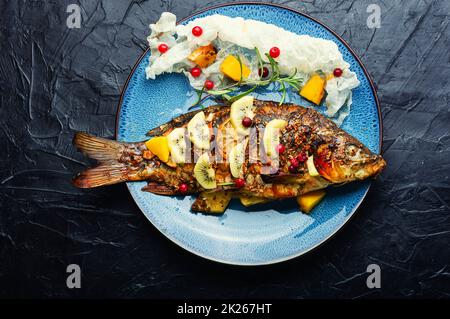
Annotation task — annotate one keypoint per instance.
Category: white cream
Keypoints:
(298, 52)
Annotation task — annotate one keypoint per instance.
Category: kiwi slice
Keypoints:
(198, 130)
(204, 173)
(177, 144)
(236, 158)
(240, 109)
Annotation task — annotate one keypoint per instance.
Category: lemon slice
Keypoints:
(271, 137)
(204, 173)
(236, 158)
(240, 109)
(199, 131)
(177, 145)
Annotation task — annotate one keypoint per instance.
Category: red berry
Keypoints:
(209, 85)
(295, 163)
(274, 52)
(163, 48)
(247, 122)
(292, 169)
(337, 72)
(264, 72)
(280, 148)
(183, 188)
(197, 31)
(301, 158)
(239, 183)
(195, 72)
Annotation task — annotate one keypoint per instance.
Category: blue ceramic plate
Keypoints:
(267, 233)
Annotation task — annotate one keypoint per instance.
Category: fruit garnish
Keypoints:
(159, 147)
(162, 48)
(337, 72)
(239, 110)
(301, 157)
(280, 148)
(177, 145)
(204, 173)
(247, 122)
(263, 72)
(271, 136)
(203, 56)
(295, 162)
(212, 202)
(309, 200)
(292, 169)
(311, 167)
(183, 188)
(234, 68)
(252, 200)
(209, 85)
(314, 89)
(198, 130)
(195, 72)
(236, 158)
(197, 31)
(274, 52)
(239, 182)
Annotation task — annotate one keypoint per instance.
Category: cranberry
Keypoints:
(274, 52)
(295, 163)
(292, 169)
(162, 48)
(247, 122)
(337, 72)
(195, 72)
(263, 72)
(280, 148)
(209, 85)
(197, 31)
(301, 158)
(239, 183)
(183, 188)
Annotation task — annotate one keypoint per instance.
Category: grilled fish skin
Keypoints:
(338, 157)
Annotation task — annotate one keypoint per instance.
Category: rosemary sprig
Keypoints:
(282, 82)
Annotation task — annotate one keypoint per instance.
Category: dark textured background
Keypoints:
(55, 80)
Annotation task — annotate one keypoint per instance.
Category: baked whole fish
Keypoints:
(255, 150)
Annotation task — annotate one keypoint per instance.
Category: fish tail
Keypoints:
(110, 169)
(107, 173)
(98, 148)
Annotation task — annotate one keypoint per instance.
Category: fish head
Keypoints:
(346, 159)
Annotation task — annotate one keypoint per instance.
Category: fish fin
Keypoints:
(98, 148)
(159, 189)
(179, 121)
(106, 173)
(175, 122)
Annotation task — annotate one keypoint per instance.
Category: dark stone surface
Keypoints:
(55, 80)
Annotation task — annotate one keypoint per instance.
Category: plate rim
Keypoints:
(380, 142)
